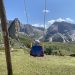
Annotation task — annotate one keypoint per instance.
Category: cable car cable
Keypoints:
(25, 10)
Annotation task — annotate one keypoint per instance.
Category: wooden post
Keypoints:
(6, 37)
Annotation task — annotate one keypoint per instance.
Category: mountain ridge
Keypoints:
(67, 30)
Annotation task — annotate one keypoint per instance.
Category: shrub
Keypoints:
(48, 50)
(63, 53)
(61, 49)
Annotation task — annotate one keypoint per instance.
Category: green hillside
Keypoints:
(55, 62)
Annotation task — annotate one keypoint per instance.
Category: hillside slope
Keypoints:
(63, 31)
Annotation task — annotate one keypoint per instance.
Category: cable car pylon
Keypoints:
(45, 8)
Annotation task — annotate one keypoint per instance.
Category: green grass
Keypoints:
(24, 64)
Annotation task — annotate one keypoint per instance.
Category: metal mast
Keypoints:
(44, 20)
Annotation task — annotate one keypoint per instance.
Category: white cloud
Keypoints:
(47, 11)
(60, 19)
(35, 25)
(66, 20)
(50, 22)
(69, 20)
(38, 25)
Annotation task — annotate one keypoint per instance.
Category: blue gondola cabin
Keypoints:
(37, 50)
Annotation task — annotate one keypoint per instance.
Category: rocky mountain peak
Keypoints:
(67, 30)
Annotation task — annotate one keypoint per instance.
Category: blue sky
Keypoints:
(58, 9)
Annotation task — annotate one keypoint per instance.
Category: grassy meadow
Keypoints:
(24, 64)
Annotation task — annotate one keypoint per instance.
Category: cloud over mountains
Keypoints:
(69, 20)
(50, 22)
